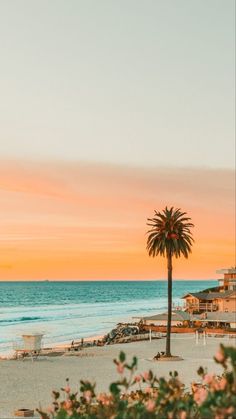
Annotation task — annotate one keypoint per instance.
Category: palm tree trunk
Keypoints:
(169, 266)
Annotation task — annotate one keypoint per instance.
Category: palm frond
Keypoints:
(170, 233)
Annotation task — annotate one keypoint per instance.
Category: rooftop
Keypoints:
(209, 295)
(226, 271)
(177, 315)
(216, 317)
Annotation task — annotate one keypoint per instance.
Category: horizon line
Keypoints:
(106, 280)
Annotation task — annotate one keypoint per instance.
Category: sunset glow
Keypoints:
(76, 221)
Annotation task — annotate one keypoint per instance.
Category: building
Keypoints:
(198, 302)
(221, 298)
(216, 319)
(213, 307)
(179, 318)
(229, 280)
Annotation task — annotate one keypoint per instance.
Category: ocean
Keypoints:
(67, 310)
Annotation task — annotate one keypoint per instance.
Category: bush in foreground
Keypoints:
(147, 397)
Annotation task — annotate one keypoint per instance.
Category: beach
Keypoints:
(27, 384)
(88, 311)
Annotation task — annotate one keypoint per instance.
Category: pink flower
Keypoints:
(120, 368)
(208, 378)
(67, 389)
(183, 414)
(222, 383)
(104, 399)
(150, 405)
(219, 356)
(219, 385)
(88, 395)
(146, 375)
(67, 405)
(101, 398)
(215, 386)
(230, 410)
(137, 378)
(200, 395)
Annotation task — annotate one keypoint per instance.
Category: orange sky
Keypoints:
(77, 221)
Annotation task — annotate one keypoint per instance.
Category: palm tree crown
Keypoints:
(170, 233)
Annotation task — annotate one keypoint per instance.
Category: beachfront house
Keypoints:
(221, 298)
(199, 302)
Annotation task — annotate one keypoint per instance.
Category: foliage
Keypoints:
(170, 233)
(147, 397)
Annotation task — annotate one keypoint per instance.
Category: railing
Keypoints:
(196, 307)
(201, 307)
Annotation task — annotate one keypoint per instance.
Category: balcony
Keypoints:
(199, 307)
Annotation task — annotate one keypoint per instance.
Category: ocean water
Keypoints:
(64, 311)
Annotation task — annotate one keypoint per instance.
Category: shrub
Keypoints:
(147, 397)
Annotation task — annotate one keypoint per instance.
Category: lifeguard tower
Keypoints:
(30, 345)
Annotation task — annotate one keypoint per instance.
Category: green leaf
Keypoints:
(122, 356)
(200, 371)
(135, 361)
(114, 389)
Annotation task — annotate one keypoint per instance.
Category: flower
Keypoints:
(67, 389)
(145, 375)
(67, 404)
(230, 410)
(219, 357)
(182, 414)
(137, 378)
(88, 395)
(222, 383)
(104, 399)
(208, 378)
(150, 405)
(219, 385)
(200, 395)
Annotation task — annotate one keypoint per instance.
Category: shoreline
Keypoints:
(116, 336)
(9, 356)
(96, 341)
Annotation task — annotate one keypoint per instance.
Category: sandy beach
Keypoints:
(27, 384)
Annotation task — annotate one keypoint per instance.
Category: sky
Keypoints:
(110, 110)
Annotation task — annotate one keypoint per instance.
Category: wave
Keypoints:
(21, 319)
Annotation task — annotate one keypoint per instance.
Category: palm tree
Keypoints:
(170, 235)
